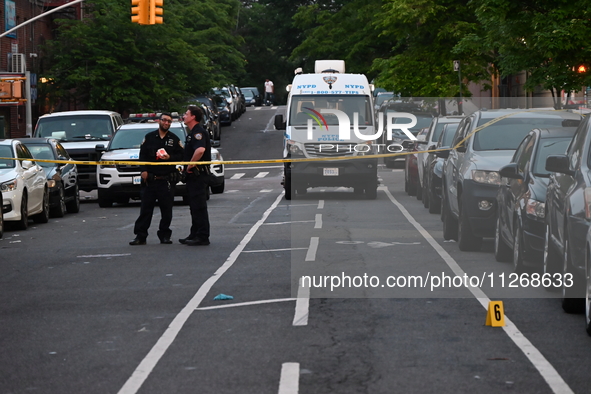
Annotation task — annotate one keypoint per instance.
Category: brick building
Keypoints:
(20, 51)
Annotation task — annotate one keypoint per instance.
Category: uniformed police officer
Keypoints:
(158, 181)
(197, 148)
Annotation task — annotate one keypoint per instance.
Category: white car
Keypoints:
(24, 185)
(119, 183)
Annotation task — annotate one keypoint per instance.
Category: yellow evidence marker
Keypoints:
(495, 316)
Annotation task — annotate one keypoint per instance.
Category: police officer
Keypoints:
(158, 181)
(197, 148)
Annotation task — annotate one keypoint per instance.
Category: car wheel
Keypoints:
(219, 188)
(450, 225)
(73, 206)
(105, 203)
(551, 256)
(571, 301)
(502, 251)
(466, 240)
(425, 195)
(23, 223)
(518, 252)
(287, 187)
(60, 210)
(412, 188)
(371, 190)
(434, 203)
(43, 216)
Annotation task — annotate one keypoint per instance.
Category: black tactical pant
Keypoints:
(198, 204)
(155, 190)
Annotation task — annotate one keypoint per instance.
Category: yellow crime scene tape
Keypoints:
(234, 162)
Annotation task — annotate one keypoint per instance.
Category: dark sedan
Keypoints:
(224, 109)
(62, 178)
(521, 199)
(568, 217)
(216, 120)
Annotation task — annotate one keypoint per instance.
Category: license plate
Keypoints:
(330, 172)
(137, 180)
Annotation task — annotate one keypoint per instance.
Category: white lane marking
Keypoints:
(295, 221)
(258, 108)
(231, 191)
(548, 372)
(261, 174)
(318, 222)
(238, 175)
(105, 255)
(251, 168)
(272, 250)
(289, 383)
(311, 255)
(302, 307)
(320, 204)
(146, 366)
(206, 308)
(265, 190)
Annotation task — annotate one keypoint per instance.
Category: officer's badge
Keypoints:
(198, 136)
(170, 142)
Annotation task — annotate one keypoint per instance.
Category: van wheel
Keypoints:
(287, 187)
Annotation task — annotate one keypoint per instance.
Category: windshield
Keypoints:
(76, 127)
(132, 138)
(508, 133)
(550, 146)
(6, 151)
(306, 107)
(42, 152)
(383, 97)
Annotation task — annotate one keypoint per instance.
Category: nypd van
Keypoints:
(330, 114)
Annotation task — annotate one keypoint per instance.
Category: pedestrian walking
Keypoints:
(269, 92)
(158, 181)
(197, 148)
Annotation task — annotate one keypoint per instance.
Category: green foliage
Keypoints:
(107, 62)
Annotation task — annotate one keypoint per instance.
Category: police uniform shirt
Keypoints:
(152, 142)
(198, 138)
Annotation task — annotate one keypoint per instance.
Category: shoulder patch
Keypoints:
(198, 136)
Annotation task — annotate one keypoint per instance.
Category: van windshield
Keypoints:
(304, 107)
(75, 128)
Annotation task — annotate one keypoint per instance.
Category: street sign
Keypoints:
(456, 65)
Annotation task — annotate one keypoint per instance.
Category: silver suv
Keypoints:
(484, 142)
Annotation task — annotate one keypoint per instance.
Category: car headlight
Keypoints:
(215, 156)
(51, 183)
(535, 208)
(487, 177)
(295, 148)
(9, 186)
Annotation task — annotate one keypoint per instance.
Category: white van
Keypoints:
(329, 114)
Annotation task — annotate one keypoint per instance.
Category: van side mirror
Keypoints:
(442, 154)
(100, 148)
(461, 148)
(279, 123)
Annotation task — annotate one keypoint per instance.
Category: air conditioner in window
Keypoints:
(17, 63)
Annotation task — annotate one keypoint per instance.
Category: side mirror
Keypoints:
(26, 164)
(443, 154)
(408, 144)
(510, 171)
(279, 123)
(100, 148)
(558, 163)
(461, 148)
(432, 147)
(422, 142)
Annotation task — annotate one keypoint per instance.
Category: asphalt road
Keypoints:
(84, 312)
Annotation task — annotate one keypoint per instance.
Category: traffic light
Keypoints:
(156, 11)
(139, 12)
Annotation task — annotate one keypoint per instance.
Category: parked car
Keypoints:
(411, 172)
(62, 178)
(484, 142)
(435, 128)
(381, 97)
(227, 94)
(224, 109)
(521, 227)
(215, 113)
(120, 182)
(568, 216)
(210, 124)
(434, 168)
(249, 97)
(23, 184)
(1, 217)
(241, 98)
(256, 94)
(79, 132)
